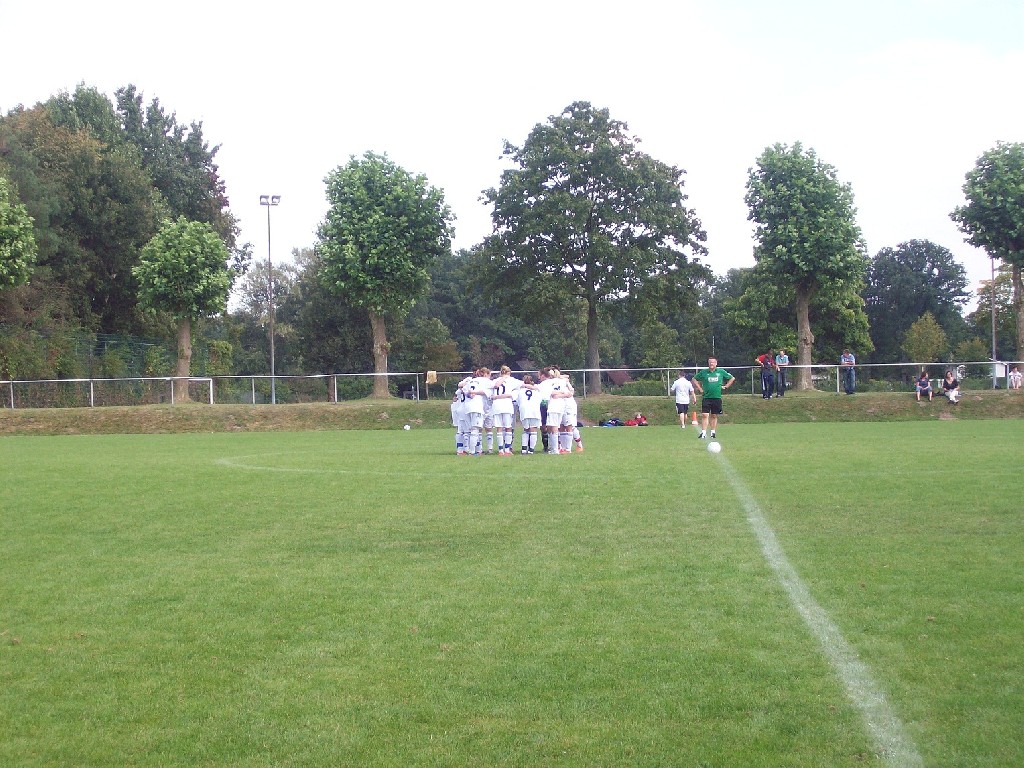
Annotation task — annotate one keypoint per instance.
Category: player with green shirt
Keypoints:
(711, 382)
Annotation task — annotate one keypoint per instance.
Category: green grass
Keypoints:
(367, 598)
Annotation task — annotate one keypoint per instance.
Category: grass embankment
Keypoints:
(393, 413)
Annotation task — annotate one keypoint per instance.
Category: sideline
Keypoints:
(884, 726)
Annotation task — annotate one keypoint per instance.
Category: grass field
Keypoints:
(367, 598)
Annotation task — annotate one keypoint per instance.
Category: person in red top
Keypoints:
(767, 363)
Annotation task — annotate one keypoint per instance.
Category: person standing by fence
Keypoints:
(848, 364)
(781, 363)
(767, 363)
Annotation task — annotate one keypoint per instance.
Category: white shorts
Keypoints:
(474, 420)
(568, 420)
(554, 418)
(504, 420)
(529, 423)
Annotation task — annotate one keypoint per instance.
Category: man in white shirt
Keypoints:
(685, 396)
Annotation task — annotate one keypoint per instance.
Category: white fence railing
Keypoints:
(335, 387)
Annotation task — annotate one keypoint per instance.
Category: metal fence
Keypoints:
(338, 387)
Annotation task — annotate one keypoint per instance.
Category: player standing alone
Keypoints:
(711, 382)
(683, 390)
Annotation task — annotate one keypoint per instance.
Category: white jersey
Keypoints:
(476, 391)
(557, 386)
(506, 385)
(683, 390)
(529, 399)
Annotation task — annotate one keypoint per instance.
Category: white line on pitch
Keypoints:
(885, 728)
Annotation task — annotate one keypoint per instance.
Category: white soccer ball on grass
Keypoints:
(406, 427)
(714, 447)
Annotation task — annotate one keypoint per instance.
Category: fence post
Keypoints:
(172, 390)
(211, 390)
(92, 399)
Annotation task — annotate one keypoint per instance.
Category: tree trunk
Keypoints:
(804, 339)
(380, 356)
(593, 350)
(184, 361)
(1018, 307)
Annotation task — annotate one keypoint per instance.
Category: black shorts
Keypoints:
(682, 407)
(711, 405)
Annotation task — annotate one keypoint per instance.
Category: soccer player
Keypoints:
(555, 386)
(476, 390)
(711, 382)
(503, 398)
(570, 429)
(684, 392)
(528, 397)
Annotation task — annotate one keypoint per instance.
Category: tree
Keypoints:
(93, 206)
(383, 229)
(583, 207)
(925, 341)
(184, 271)
(904, 283)
(980, 320)
(806, 233)
(993, 217)
(17, 240)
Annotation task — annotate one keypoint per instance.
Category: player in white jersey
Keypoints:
(476, 390)
(569, 422)
(557, 390)
(462, 431)
(528, 399)
(503, 399)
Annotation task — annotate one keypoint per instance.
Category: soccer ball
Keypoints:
(407, 427)
(714, 447)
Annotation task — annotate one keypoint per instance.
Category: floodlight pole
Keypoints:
(992, 288)
(270, 201)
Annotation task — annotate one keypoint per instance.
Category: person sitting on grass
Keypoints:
(1015, 377)
(924, 386)
(951, 388)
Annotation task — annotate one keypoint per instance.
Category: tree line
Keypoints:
(114, 220)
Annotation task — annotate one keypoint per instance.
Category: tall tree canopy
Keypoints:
(17, 241)
(184, 271)
(904, 283)
(581, 206)
(806, 233)
(384, 228)
(993, 217)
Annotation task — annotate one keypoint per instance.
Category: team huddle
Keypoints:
(487, 406)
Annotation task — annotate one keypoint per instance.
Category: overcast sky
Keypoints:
(901, 96)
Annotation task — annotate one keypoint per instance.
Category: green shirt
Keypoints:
(712, 381)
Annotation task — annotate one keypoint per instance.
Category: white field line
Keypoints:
(884, 727)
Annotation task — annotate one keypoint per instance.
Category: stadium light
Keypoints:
(270, 201)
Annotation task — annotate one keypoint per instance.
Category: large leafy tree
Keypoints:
(993, 217)
(184, 272)
(17, 241)
(904, 283)
(584, 208)
(384, 228)
(93, 207)
(806, 232)
(762, 316)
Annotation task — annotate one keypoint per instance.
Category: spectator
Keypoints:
(924, 386)
(951, 387)
(781, 364)
(1015, 377)
(767, 363)
(848, 362)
